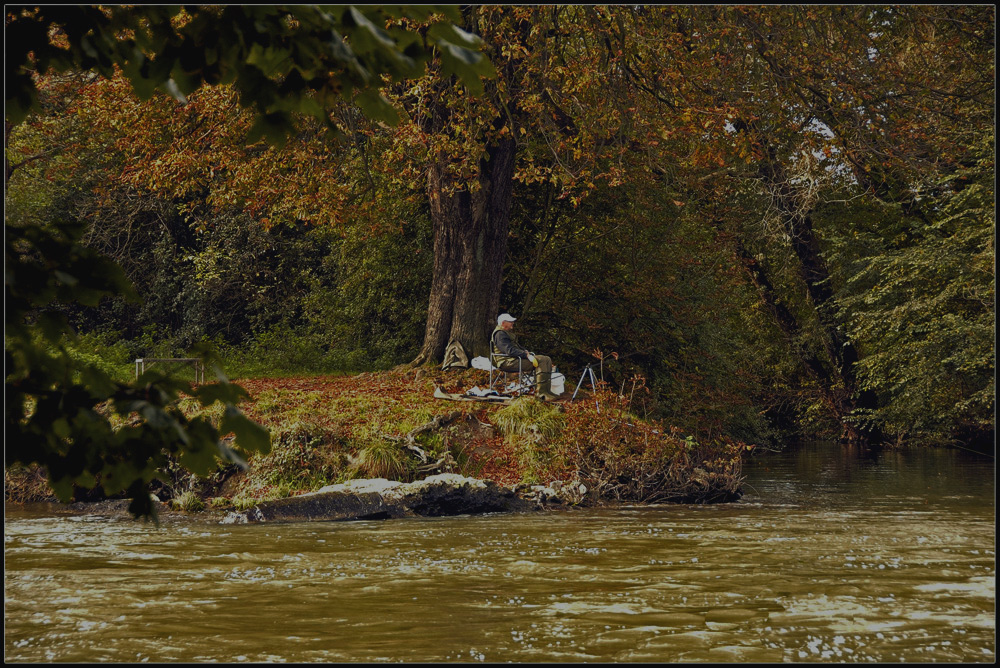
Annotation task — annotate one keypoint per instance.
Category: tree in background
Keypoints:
(805, 108)
(282, 61)
(710, 194)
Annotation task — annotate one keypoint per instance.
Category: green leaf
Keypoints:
(172, 89)
(374, 105)
(468, 65)
(249, 435)
(227, 454)
(86, 480)
(448, 32)
(227, 393)
(66, 279)
(62, 487)
(60, 427)
(273, 127)
(272, 61)
(367, 36)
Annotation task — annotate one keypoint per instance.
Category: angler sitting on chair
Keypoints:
(507, 356)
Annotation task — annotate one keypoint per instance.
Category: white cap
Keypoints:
(504, 317)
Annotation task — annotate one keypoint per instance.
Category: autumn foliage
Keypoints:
(781, 217)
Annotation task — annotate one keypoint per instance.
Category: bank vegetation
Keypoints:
(326, 430)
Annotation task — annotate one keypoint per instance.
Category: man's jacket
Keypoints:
(505, 349)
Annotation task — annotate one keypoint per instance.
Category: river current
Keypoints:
(830, 556)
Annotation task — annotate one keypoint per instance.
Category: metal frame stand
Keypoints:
(195, 362)
(587, 371)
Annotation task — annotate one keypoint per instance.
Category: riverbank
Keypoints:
(440, 495)
(335, 429)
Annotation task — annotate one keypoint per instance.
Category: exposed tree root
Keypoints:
(445, 463)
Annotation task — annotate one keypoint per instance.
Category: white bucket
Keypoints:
(558, 381)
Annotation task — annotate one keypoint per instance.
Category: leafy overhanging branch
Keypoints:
(282, 61)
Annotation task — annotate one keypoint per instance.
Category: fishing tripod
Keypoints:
(587, 371)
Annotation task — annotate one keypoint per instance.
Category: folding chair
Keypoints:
(523, 381)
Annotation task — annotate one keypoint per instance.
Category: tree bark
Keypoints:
(471, 225)
(470, 244)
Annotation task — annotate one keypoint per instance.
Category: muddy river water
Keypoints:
(830, 557)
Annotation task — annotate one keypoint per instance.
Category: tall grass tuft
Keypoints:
(530, 427)
(528, 417)
(188, 502)
(383, 459)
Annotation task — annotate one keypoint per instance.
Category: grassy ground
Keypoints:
(329, 429)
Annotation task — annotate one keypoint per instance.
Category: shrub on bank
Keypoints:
(624, 458)
(188, 502)
(385, 459)
(618, 455)
(26, 484)
(304, 456)
(530, 426)
(328, 430)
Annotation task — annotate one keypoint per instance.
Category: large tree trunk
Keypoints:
(470, 243)
(471, 225)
